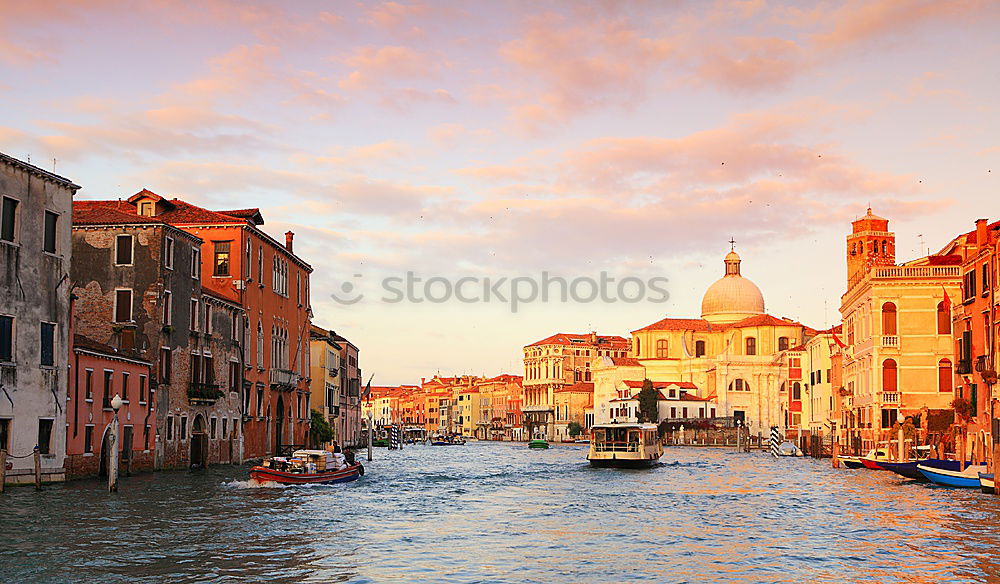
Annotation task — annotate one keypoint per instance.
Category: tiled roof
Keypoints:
(698, 324)
(88, 344)
(578, 387)
(625, 361)
(662, 384)
(581, 340)
(187, 214)
(108, 213)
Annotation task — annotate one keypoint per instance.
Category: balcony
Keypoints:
(203, 394)
(538, 408)
(283, 379)
(907, 273)
(890, 397)
(964, 367)
(890, 341)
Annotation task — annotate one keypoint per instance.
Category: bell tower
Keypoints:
(869, 244)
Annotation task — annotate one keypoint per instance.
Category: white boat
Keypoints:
(624, 445)
(788, 448)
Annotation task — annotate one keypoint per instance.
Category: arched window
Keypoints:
(883, 247)
(874, 247)
(661, 349)
(782, 343)
(853, 249)
(739, 385)
(637, 345)
(699, 348)
(782, 388)
(751, 346)
(945, 379)
(796, 391)
(888, 318)
(943, 320)
(889, 375)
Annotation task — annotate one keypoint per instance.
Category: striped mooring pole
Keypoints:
(775, 441)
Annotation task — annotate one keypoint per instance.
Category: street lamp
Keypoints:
(116, 404)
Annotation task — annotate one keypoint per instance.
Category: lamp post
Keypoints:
(116, 404)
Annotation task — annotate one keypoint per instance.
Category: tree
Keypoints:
(574, 429)
(648, 409)
(319, 429)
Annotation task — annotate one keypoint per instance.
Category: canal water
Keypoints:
(498, 512)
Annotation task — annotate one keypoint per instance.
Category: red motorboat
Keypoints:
(307, 467)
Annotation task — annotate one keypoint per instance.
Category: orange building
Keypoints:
(245, 265)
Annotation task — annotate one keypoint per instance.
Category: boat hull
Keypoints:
(910, 471)
(871, 464)
(623, 462)
(270, 475)
(986, 483)
(965, 480)
(851, 461)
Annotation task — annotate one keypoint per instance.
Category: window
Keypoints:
(888, 318)
(782, 343)
(889, 377)
(260, 401)
(5, 434)
(44, 435)
(195, 262)
(170, 427)
(234, 327)
(661, 349)
(88, 440)
(221, 261)
(166, 364)
(208, 319)
(106, 398)
(168, 309)
(260, 265)
(945, 378)
(123, 305)
(49, 238)
(194, 315)
(260, 344)
(124, 392)
(142, 389)
(8, 219)
(47, 338)
(123, 250)
(973, 399)
(6, 338)
(235, 377)
(212, 424)
(796, 391)
(739, 385)
(168, 253)
(184, 428)
(969, 285)
(751, 346)
(248, 261)
(986, 278)
(943, 320)
(88, 385)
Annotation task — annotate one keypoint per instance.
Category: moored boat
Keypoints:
(624, 445)
(538, 443)
(850, 461)
(910, 470)
(966, 479)
(307, 467)
(874, 458)
(986, 483)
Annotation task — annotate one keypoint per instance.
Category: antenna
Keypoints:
(53, 164)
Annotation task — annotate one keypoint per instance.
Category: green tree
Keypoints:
(647, 397)
(574, 429)
(319, 429)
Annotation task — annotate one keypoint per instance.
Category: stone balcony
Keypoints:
(890, 341)
(283, 379)
(890, 397)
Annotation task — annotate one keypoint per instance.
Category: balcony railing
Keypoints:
(890, 341)
(283, 379)
(538, 408)
(616, 447)
(905, 272)
(203, 393)
(890, 397)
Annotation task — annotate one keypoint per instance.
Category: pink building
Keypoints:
(98, 372)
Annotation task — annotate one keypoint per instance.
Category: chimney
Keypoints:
(981, 236)
(289, 236)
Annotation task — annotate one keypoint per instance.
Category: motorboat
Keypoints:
(624, 445)
(851, 461)
(538, 443)
(307, 467)
(986, 483)
(967, 479)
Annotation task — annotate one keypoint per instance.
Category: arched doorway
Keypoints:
(199, 443)
(105, 451)
(279, 424)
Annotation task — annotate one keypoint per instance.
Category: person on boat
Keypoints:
(336, 447)
(349, 457)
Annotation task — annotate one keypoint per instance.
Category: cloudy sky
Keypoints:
(504, 139)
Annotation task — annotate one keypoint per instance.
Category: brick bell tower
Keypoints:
(870, 244)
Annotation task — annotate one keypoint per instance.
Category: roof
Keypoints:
(252, 215)
(87, 344)
(625, 361)
(578, 387)
(109, 213)
(573, 339)
(662, 384)
(217, 296)
(39, 172)
(699, 324)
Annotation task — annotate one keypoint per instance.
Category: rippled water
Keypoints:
(498, 512)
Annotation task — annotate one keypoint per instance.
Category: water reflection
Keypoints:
(503, 513)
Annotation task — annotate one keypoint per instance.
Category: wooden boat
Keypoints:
(447, 442)
(538, 443)
(851, 461)
(306, 467)
(910, 471)
(986, 483)
(874, 457)
(624, 445)
(967, 479)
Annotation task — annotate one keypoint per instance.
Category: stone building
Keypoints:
(556, 362)
(349, 422)
(139, 286)
(324, 374)
(98, 372)
(899, 354)
(35, 218)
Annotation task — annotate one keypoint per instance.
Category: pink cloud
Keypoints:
(374, 66)
(395, 14)
(752, 63)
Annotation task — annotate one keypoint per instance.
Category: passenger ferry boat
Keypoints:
(306, 467)
(624, 445)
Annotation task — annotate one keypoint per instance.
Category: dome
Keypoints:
(732, 297)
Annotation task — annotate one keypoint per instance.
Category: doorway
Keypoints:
(199, 443)
(279, 425)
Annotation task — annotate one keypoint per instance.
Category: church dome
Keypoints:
(732, 297)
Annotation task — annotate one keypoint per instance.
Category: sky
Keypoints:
(482, 146)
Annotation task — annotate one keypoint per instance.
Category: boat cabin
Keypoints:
(624, 445)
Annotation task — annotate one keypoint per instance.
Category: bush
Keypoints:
(319, 429)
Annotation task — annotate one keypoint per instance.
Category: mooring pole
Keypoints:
(38, 469)
(3, 468)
